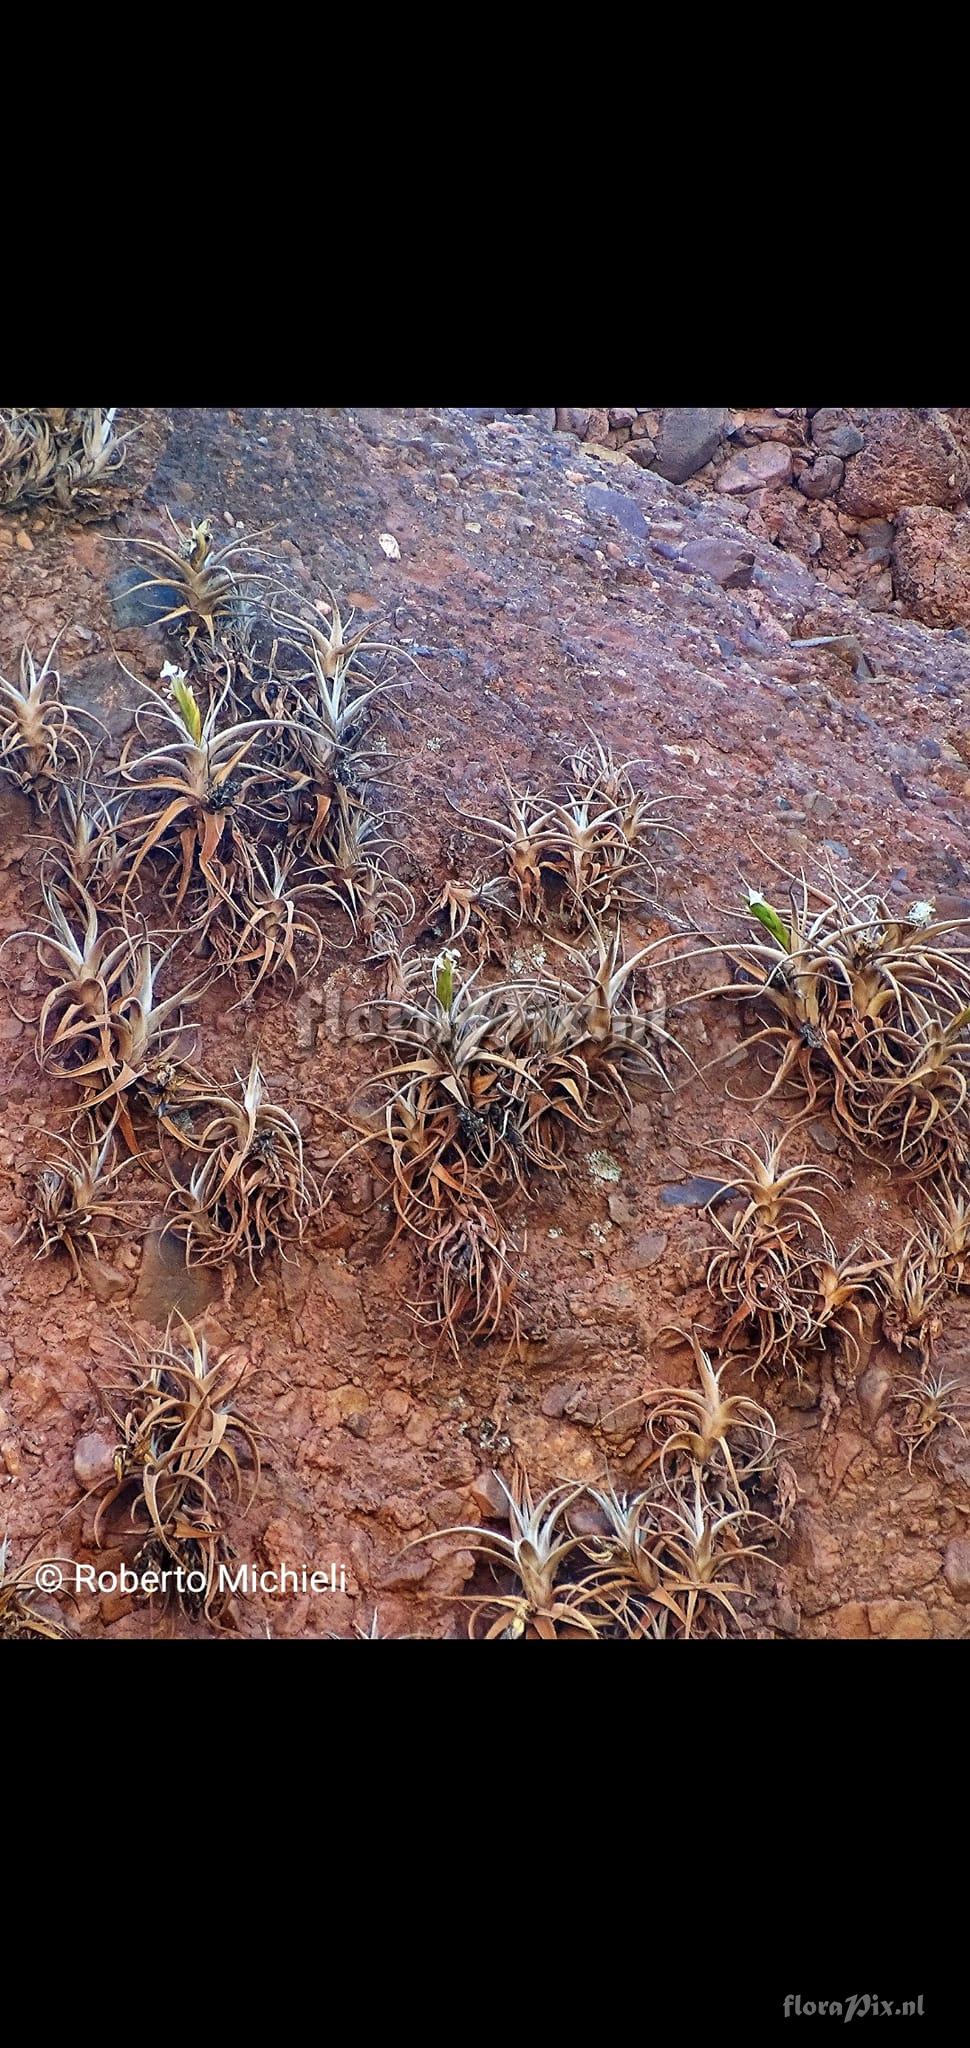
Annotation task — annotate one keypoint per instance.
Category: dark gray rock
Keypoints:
(823, 479)
(833, 434)
(689, 437)
(134, 605)
(601, 501)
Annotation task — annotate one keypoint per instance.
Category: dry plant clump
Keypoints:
(730, 1439)
(266, 918)
(577, 858)
(20, 1619)
(40, 740)
(198, 585)
(68, 454)
(666, 1560)
(261, 756)
(86, 847)
(486, 1079)
(177, 1467)
(867, 1012)
(103, 1025)
(250, 1191)
(912, 1289)
(471, 911)
(927, 1408)
(72, 1197)
(197, 774)
(538, 1546)
(949, 1226)
(787, 1294)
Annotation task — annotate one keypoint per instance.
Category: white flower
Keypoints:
(921, 913)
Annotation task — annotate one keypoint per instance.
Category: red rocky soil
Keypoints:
(549, 586)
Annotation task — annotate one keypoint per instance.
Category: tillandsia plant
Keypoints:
(59, 452)
(521, 840)
(102, 1025)
(623, 1582)
(199, 776)
(597, 1019)
(142, 1039)
(87, 967)
(470, 911)
(268, 901)
(85, 846)
(577, 857)
(178, 1472)
(535, 1555)
(454, 1116)
(468, 1263)
(486, 1081)
(728, 1438)
(250, 1192)
(72, 1197)
(927, 1409)
(347, 857)
(846, 1285)
(40, 740)
(784, 1297)
(20, 1618)
(918, 1105)
(596, 837)
(336, 691)
(912, 1290)
(658, 1563)
(198, 585)
(699, 1547)
(866, 1011)
(949, 1223)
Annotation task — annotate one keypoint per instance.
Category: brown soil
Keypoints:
(546, 592)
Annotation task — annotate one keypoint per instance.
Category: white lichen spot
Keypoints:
(603, 1166)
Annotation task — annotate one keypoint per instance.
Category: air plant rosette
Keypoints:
(929, 1404)
(485, 1082)
(248, 1190)
(578, 859)
(73, 1197)
(867, 1013)
(193, 589)
(666, 1561)
(41, 742)
(69, 454)
(787, 1287)
(178, 1474)
(21, 1618)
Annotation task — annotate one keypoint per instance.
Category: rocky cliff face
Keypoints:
(873, 500)
(764, 609)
